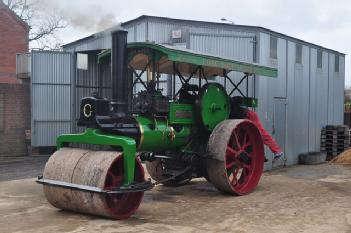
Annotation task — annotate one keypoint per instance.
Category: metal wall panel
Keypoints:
(331, 85)
(298, 104)
(238, 47)
(97, 43)
(160, 31)
(216, 41)
(279, 123)
(267, 89)
(96, 79)
(292, 83)
(338, 93)
(140, 35)
(50, 96)
(23, 64)
(312, 95)
(318, 106)
(336, 83)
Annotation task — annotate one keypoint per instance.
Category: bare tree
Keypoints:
(43, 24)
(347, 94)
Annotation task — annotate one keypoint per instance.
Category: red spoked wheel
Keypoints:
(122, 206)
(236, 157)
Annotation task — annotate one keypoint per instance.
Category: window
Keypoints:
(336, 63)
(82, 61)
(319, 58)
(298, 57)
(273, 47)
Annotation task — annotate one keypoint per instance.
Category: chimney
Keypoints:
(119, 72)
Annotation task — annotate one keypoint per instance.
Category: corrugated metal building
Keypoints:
(307, 94)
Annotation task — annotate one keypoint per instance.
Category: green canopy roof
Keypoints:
(140, 53)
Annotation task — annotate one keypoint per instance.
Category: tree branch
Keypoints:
(43, 25)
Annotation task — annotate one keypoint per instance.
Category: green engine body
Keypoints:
(179, 127)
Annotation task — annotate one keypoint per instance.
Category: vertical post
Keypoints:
(158, 76)
(200, 76)
(174, 80)
(254, 86)
(225, 79)
(247, 85)
(73, 93)
(169, 85)
(148, 74)
(99, 70)
(153, 66)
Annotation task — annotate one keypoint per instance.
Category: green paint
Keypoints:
(158, 135)
(190, 57)
(181, 114)
(215, 105)
(250, 102)
(95, 137)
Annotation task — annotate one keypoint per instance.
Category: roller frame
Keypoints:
(135, 187)
(95, 137)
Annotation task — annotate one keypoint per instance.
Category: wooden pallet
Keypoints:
(344, 136)
(335, 139)
(333, 153)
(340, 150)
(336, 127)
(332, 144)
(336, 143)
(335, 133)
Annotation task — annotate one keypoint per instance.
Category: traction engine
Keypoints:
(187, 136)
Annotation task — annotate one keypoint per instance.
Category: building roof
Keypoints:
(205, 23)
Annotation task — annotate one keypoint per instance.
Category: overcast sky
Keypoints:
(323, 22)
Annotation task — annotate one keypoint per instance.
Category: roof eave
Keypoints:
(252, 28)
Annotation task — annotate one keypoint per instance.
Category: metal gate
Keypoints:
(50, 96)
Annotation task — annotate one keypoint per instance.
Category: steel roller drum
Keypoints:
(102, 169)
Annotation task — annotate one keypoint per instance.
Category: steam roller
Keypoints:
(184, 135)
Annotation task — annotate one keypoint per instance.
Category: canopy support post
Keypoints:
(174, 81)
(138, 76)
(236, 86)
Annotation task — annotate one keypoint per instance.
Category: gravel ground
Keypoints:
(314, 199)
(14, 168)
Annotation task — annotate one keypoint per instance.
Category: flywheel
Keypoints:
(212, 105)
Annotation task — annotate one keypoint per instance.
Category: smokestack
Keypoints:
(119, 72)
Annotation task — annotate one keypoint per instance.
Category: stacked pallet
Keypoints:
(335, 139)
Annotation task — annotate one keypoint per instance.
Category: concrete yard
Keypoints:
(296, 199)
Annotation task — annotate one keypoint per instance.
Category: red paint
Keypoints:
(244, 141)
(267, 138)
(13, 40)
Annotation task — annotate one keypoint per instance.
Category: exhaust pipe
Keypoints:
(119, 73)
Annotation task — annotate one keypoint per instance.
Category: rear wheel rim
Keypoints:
(244, 158)
(122, 206)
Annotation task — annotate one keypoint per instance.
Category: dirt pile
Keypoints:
(343, 158)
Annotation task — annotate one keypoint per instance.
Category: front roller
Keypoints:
(85, 168)
(236, 157)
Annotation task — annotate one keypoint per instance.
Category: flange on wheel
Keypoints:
(157, 169)
(236, 157)
(101, 169)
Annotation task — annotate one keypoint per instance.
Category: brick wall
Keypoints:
(13, 40)
(14, 117)
(14, 97)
